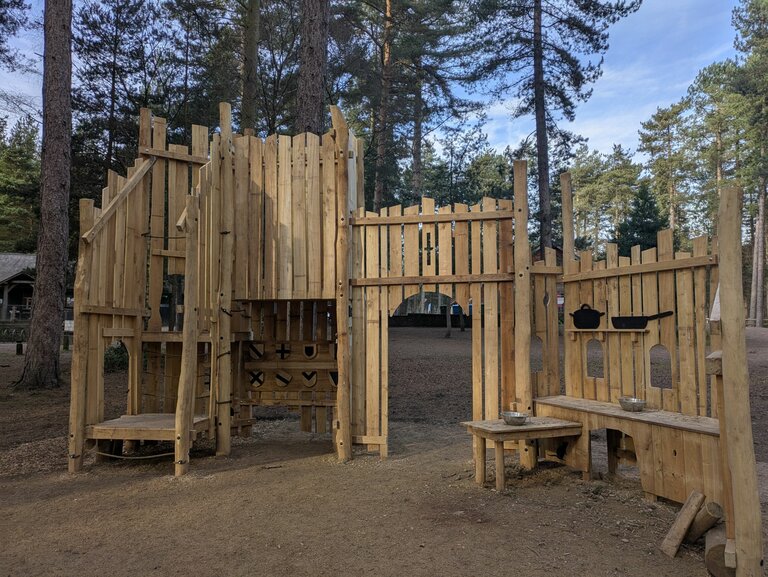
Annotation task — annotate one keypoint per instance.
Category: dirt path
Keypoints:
(281, 505)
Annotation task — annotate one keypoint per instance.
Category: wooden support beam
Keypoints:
(188, 374)
(170, 155)
(342, 426)
(80, 346)
(736, 410)
(122, 194)
(432, 218)
(224, 296)
(677, 264)
(522, 249)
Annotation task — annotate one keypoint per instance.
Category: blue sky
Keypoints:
(653, 57)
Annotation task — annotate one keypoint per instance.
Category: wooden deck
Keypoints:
(146, 427)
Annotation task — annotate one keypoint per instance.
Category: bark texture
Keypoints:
(382, 132)
(542, 144)
(315, 17)
(41, 364)
(250, 48)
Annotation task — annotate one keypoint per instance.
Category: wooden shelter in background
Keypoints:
(288, 285)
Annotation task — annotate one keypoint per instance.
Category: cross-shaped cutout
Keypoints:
(257, 378)
(283, 350)
(429, 248)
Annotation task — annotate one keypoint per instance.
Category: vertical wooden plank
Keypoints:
(461, 257)
(428, 243)
(188, 372)
(285, 208)
(551, 353)
(670, 397)
(444, 253)
(524, 390)
(156, 227)
(601, 303)
(224, 302)
(613, 342)
(639, 348)
(700, 324)
(586, 296)
(686, 339)
(270, 217)
(178, 189)
(372, 335)
(651, 338)
(693, 465)
(475, 309)
(359, 332)
(736, 411)
(491, 349)
(77, 406)
(299, 216)
(384, 377)
(314, 219)
(242, 239)
(342, 427)
(626, 342)
(255, 250)
(506, 306)
(329, 217)
(395, 257)
(411, 251)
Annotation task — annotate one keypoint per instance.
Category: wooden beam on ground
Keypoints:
(122, 194)
(736, 412)
(679, 529)
(342, 425)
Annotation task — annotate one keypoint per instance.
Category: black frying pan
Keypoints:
(638, 322)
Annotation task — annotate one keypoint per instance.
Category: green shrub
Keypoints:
(115, 359)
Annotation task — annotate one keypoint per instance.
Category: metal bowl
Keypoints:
(632, 404)
(513, 418)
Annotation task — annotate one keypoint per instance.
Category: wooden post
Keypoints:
(188, 375)
(80, 346)
(342, 424)
(568, 238)
(224, 297)
(738, 421)
(523, 387)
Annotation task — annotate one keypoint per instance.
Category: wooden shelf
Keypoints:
(607, 330)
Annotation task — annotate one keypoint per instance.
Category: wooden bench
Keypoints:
(499, 432)
(675, 453)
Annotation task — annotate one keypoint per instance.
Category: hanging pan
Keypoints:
(586, 317)
(638, 322)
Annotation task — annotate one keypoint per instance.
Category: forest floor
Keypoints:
(281, 505)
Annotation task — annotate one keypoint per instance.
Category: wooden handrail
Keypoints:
(647, 267)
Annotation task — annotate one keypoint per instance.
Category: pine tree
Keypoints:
(315, 15)
(13, 17)
(41, 363)
(544, 53)
(642, 224)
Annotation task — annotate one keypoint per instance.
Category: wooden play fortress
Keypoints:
(282, 285)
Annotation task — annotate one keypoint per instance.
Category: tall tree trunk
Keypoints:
(249, 71)
(542, 145)
(759, 264)
(315, 16)
(382, 132)
(418, 136)
(41, 364)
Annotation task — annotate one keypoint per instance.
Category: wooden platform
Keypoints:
(146, 427)
(499, 432)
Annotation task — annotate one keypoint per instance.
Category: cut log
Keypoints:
(707, 517)
(674, 538)
(714, 553)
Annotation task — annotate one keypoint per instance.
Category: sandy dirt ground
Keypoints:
(281, 505)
